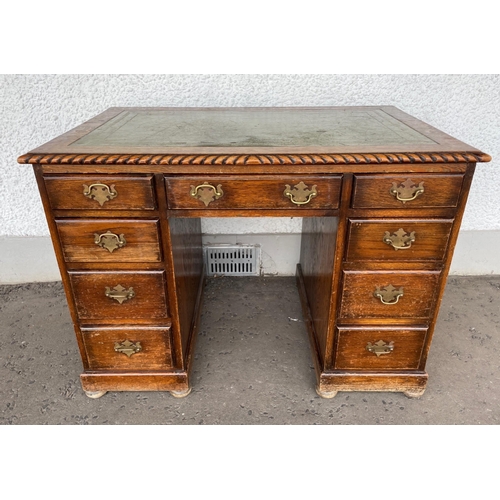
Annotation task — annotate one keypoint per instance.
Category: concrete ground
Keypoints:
(252, 363)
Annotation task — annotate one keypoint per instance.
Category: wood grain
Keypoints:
(373, 191)
(353, 355)
(66, 192)
(147, 306)
(359, 302)
(155, 344)
(366, 239)
(187, 257)
(316, 265)
(380, 158)
(78, 240)
(366, 381)
(134, 381)
(252, 192)
(256, 169)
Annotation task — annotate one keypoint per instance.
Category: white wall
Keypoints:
(36, 108)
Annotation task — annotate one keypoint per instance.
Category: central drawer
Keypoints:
(117, 297)
(256, 192)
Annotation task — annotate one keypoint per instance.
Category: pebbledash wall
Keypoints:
(37, 108)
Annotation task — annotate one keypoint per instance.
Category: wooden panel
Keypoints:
(316, 260)
(366, 239)
(353, 355)
(373, 191)
(148, 305)
(257, 192)
(132, 192)
(78, 240)
(133, 381)
(187, 257)
(410, 383)
(154, 343)
(251, 165)
(359, 302)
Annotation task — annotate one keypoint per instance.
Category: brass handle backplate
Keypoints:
(388, 295)
(110, 241)
(100, 192)
(119, 293)
(400, 240)
(206, 192)
(300, 194)
(407, 191)
(380, 347)
(128, 348)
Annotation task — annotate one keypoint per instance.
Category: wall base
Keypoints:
(32, 259)
(27, 260)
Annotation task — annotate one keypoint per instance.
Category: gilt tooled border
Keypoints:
(275, 159)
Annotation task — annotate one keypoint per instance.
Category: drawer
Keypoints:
(388, 295)
(226, 192)
(379, 349)
(109, 297)
(82, 192)
(406, 191)
(130, 349)
(398, 239)
(109, 240)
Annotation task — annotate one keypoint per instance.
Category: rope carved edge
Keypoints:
(296, 159)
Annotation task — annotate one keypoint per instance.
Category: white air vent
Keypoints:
(232, 260)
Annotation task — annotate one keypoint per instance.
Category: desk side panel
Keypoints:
(317, 253)
(187, 255)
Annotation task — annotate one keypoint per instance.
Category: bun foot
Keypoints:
(95, 394)
(326, 394)
(181, 394)
(414, 393)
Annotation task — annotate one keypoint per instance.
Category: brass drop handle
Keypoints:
(300, 194)
(388, 295)
(400, 240)
(128, 348)
(407, 191)
(206, 192)
(100, 192)
(110, 241)
(119, 293)
(380, 347)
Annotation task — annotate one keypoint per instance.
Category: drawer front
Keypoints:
(379, 349)
(406, 191)
(109, 240)
(388, 295)
(398, 239)
(135, 297)
(271, 192)
(130, 349)
(81, 192)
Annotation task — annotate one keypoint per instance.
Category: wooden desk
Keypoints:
(381, 195)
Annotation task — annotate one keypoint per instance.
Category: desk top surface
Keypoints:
(367, 130)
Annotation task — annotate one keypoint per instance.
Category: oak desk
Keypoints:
(381, 195)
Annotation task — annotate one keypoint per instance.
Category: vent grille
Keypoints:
(232, 260)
